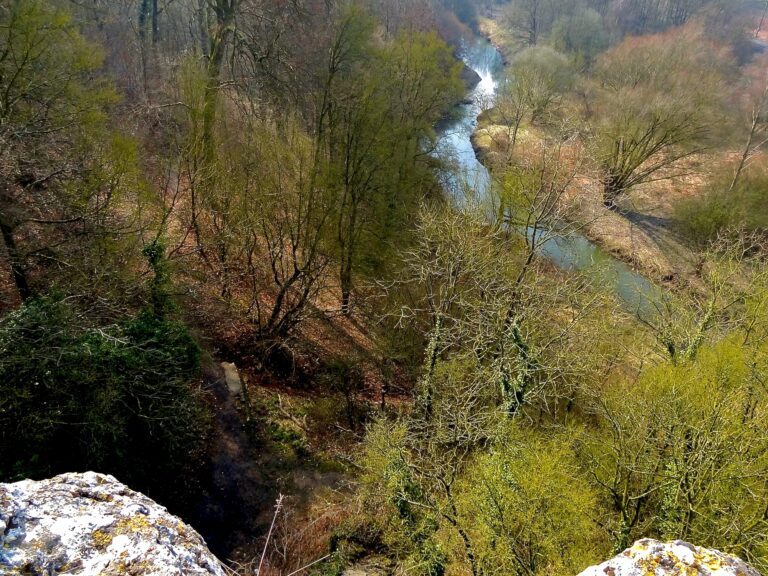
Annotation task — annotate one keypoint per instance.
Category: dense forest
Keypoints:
(423, 371)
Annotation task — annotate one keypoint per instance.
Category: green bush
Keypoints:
(703, 218)
(118, 399)
(581, 34)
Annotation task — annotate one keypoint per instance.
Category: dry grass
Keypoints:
(612, 231)
(300, 539)
(493, 31)
(642, 233)
(583, 200)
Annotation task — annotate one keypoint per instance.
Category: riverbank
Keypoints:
(490, 29)
(641, 234)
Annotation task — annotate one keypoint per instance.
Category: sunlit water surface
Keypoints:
(569, 252)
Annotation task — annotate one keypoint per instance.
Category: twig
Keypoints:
(291, 417)
(278, 505)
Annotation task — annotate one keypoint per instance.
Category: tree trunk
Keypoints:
(15, 259)
(202, 27)
(218, 37)
(211, 100)
(453, 519)
(757, 113)
(348, 246)
(149, 33)
(155, 23)
(762, 20)
(345, 277)
(430, 362)
(526, 374)
(144, 15)
(612, 189)
(533, 36)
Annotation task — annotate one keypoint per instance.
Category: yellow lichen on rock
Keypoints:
(102, 539)
(91, 524)
(653, 558)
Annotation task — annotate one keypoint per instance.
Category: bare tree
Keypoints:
(657, 105)
(756, 137)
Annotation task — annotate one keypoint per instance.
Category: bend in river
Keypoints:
(568, 252)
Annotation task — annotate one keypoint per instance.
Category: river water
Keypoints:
(568, 252)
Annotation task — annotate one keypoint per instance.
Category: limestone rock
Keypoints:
(232, 377)
(653, 558)
(469, 76)
(91, 524)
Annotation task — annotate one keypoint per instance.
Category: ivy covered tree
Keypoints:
(121, 399)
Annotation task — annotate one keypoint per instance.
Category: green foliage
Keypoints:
(542, 75)
(288, 438)
(682, 451)
(160, 285)
(529, 508)
(385, 113)
(52, 128)
(532, 444)
(346, 380)
(702, 219)
(119, 399)
(520, 506)
(457, 483)
(407, 526)
(580, 34)
(44, 66)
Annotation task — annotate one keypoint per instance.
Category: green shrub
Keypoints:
(581, 34)
(703, 218)
(118, 399)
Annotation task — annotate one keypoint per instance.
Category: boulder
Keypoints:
(91, 524)
(653, 558)
(232, 378)
(469, 76)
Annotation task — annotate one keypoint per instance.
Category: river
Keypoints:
(568, 252)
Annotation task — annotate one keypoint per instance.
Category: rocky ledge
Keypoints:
(653, 558)
(89, 524)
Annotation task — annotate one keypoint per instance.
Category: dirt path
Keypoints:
(238, 492)
(662, 231)
(249, 468)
